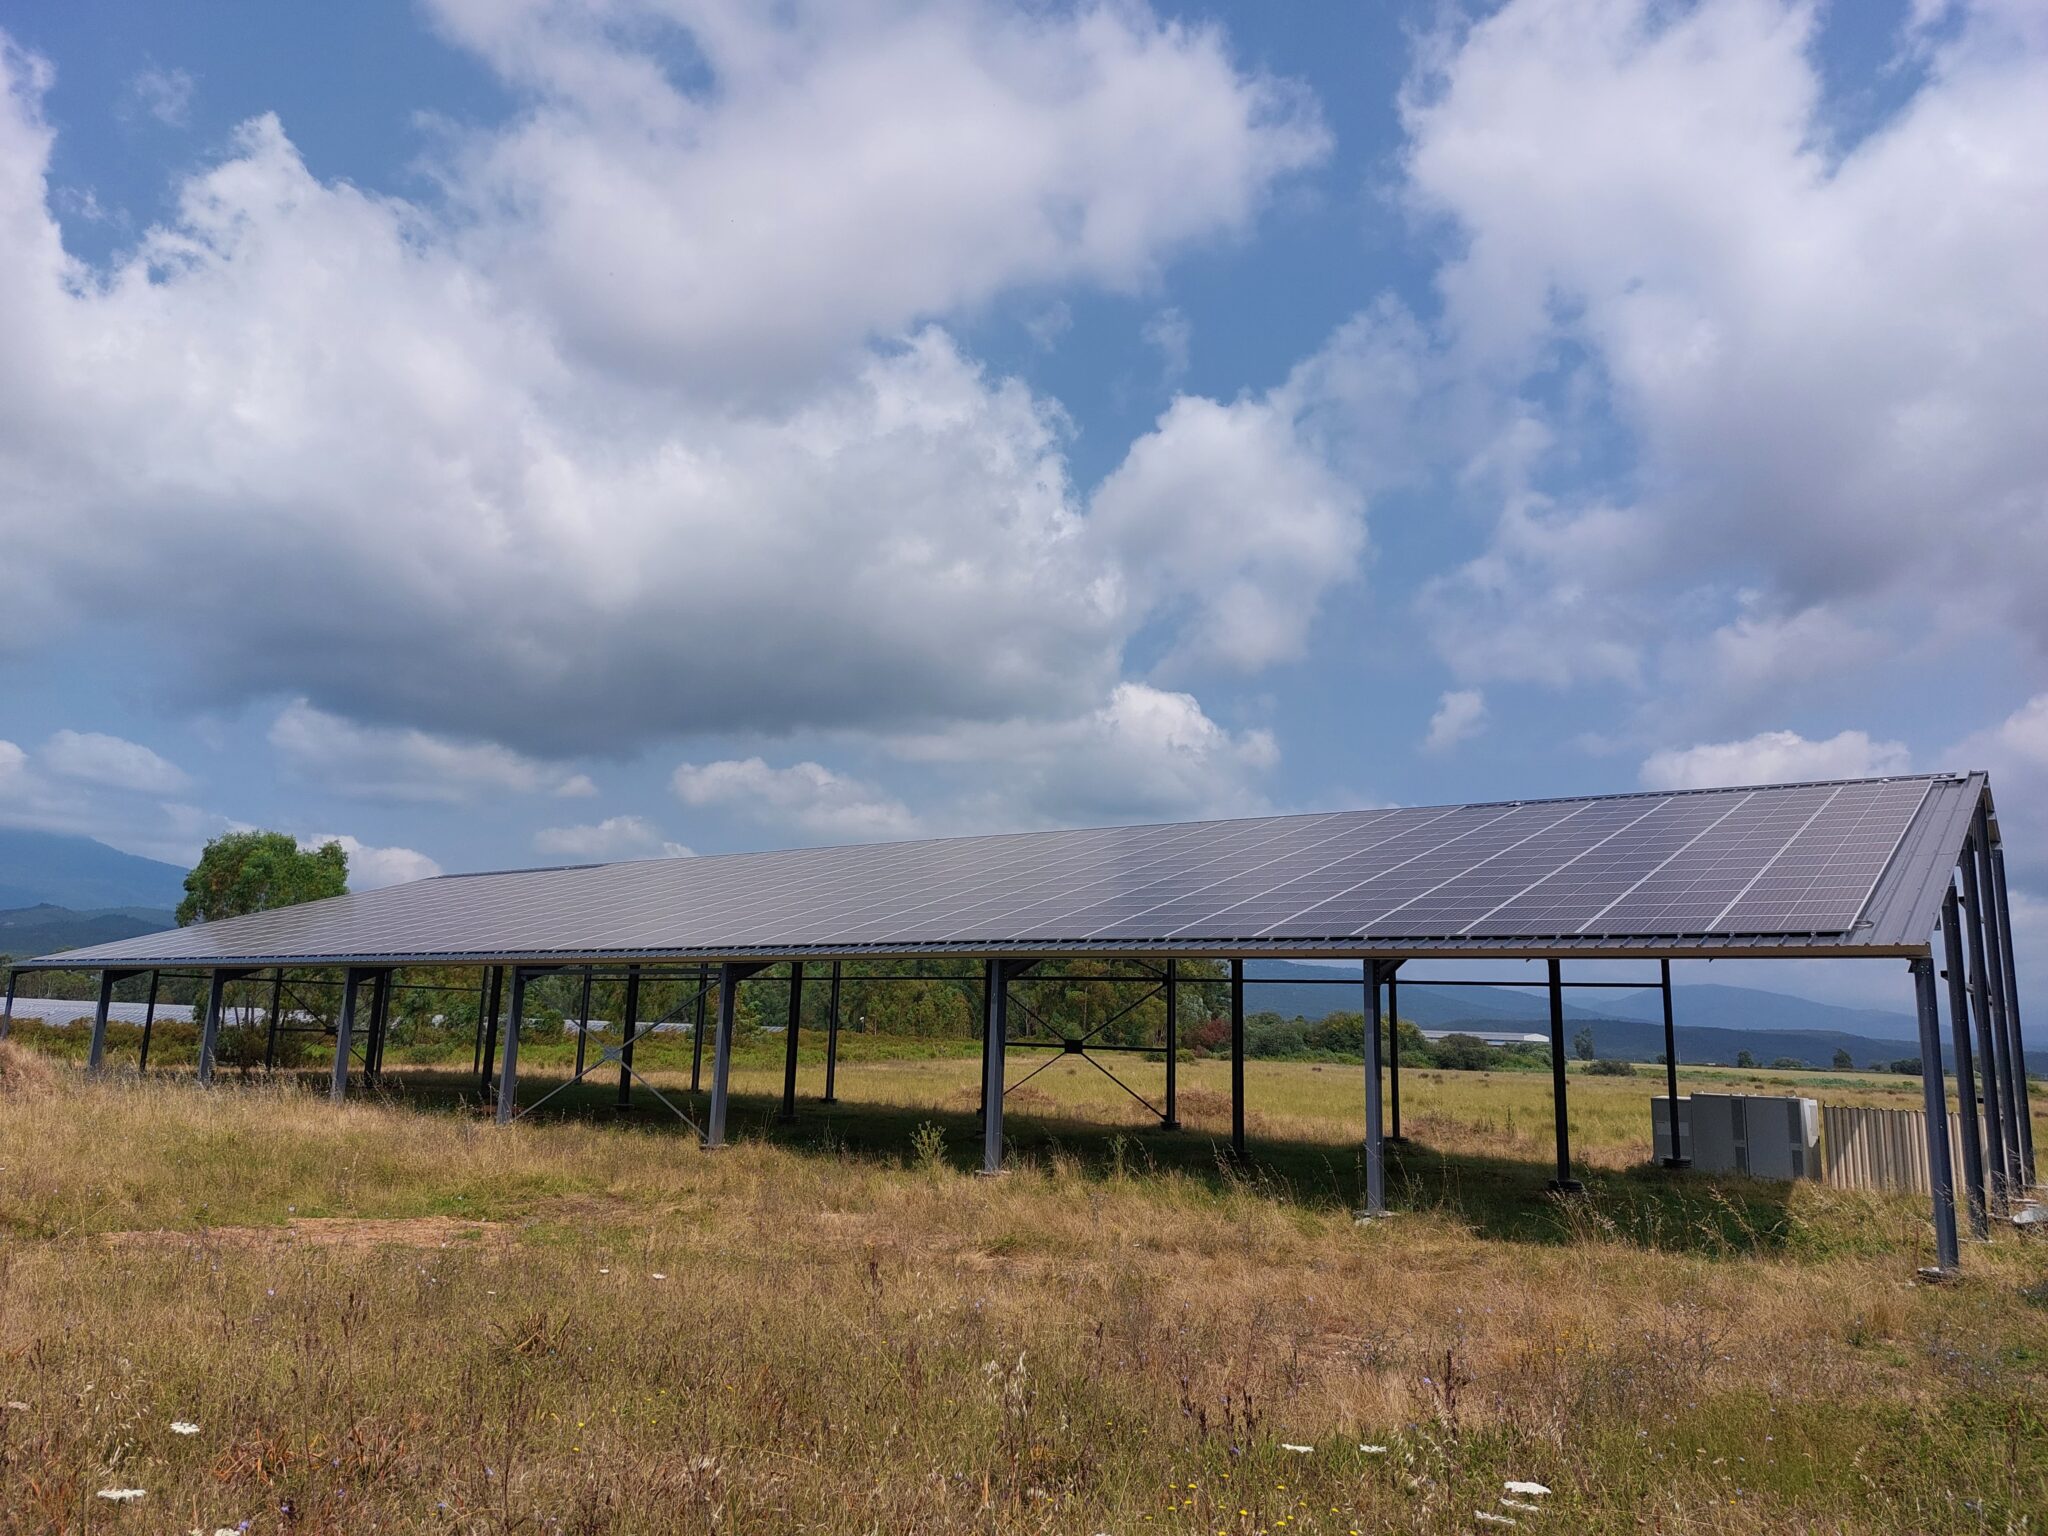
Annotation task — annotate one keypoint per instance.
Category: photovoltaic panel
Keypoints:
(1713, 865)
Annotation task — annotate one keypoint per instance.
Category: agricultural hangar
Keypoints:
(1880, 869)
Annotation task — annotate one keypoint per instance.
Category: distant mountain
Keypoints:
(1714, 1023)
(45, 929)
(50, 868)
(1712, 1006)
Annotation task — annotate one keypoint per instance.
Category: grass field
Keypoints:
(396, 1316)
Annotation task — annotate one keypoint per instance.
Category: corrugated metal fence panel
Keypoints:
(1882, 1148)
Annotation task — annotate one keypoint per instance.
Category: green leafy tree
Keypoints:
(243, 872)
(1844, 1062)
(1582, 1045)
(1463, 1053)
(1745, 1058)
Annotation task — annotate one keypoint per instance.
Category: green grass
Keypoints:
(398, 1316)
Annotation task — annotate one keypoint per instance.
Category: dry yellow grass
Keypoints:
(585, 1324)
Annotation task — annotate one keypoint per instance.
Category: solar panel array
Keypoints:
(1797, 859)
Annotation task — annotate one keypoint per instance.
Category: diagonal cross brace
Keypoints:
(615, 1054)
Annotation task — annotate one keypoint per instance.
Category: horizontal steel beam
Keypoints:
(1749, 947)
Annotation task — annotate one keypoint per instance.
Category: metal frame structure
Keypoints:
(1942, 867)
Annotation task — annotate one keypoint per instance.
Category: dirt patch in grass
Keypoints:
(345, 1232)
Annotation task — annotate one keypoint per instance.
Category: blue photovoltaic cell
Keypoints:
(1792, 859)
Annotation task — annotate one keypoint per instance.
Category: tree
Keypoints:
(1582, 1045)
(243, 872)
(1463, 1053)
(1744, 1059)
(1844, 1062)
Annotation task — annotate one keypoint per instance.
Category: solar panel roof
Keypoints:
(1848, 867)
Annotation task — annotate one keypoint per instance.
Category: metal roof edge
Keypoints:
(1931, 849)
(1711, 947)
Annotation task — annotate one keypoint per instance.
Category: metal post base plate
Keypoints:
(1676, 1162)
(1565, 1187)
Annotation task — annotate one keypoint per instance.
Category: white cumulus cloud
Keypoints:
(847, 169)
(1460, 715)
(93, 757)
(1773, 757)
(1147, 754)
(371, 867)
(616, 837)
(381, 762)
(1821, 349)
(446, 465)
(805, 797)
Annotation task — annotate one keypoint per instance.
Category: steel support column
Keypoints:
(789, 1042)
(1394, 1059)
(1171, 1119)
(1991, 1054)
(982, 1109)
(729, 978)
(96, 1053)
(1237, 1057)
(508, 1074)
(380, 1020)
(148, 1023)
(697, 1027)
(1677, 1158)
(272, 1018)
(995, 1039)
(209, 1027)
(483, 1013)
(2022, 1100)
(1375, 1131)
(1564, 1183)
(1966, 1071)
(631, 1022)
(344, 1032)
(7, 1010)
(2002, 1037)
(583, 1021)
(832, 1040)
(1940, 1176)
(491, 1012)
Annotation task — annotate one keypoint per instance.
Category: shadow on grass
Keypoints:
(1495, 1197)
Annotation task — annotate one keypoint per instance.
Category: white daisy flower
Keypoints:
(1299, 1450)
(123, 1495)
(184, 1427)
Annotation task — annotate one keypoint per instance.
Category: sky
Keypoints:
(509, 432)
